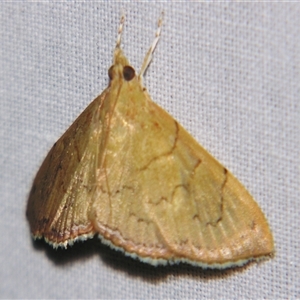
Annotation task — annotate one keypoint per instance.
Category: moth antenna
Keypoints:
(120, 30)
(148, 57)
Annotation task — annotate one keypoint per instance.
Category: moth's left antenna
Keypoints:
(120, 30)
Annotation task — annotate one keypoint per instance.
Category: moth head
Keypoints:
(121, 68)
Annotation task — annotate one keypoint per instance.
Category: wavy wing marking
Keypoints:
(165, 197)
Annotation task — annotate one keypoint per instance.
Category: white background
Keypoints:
(228, 72)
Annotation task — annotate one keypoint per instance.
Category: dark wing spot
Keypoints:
(128, 73)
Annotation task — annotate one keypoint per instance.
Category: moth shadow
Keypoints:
(154, 274)
(134, 268)
(61, 256)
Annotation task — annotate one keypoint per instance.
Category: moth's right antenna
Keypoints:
(148, 56)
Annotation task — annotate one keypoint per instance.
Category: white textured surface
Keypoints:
(228, 72)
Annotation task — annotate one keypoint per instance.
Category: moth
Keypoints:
(128, 172)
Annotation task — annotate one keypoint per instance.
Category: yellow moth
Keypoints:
(127, 171)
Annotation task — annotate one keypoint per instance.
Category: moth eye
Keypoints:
(128, 73)
(110, 72)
